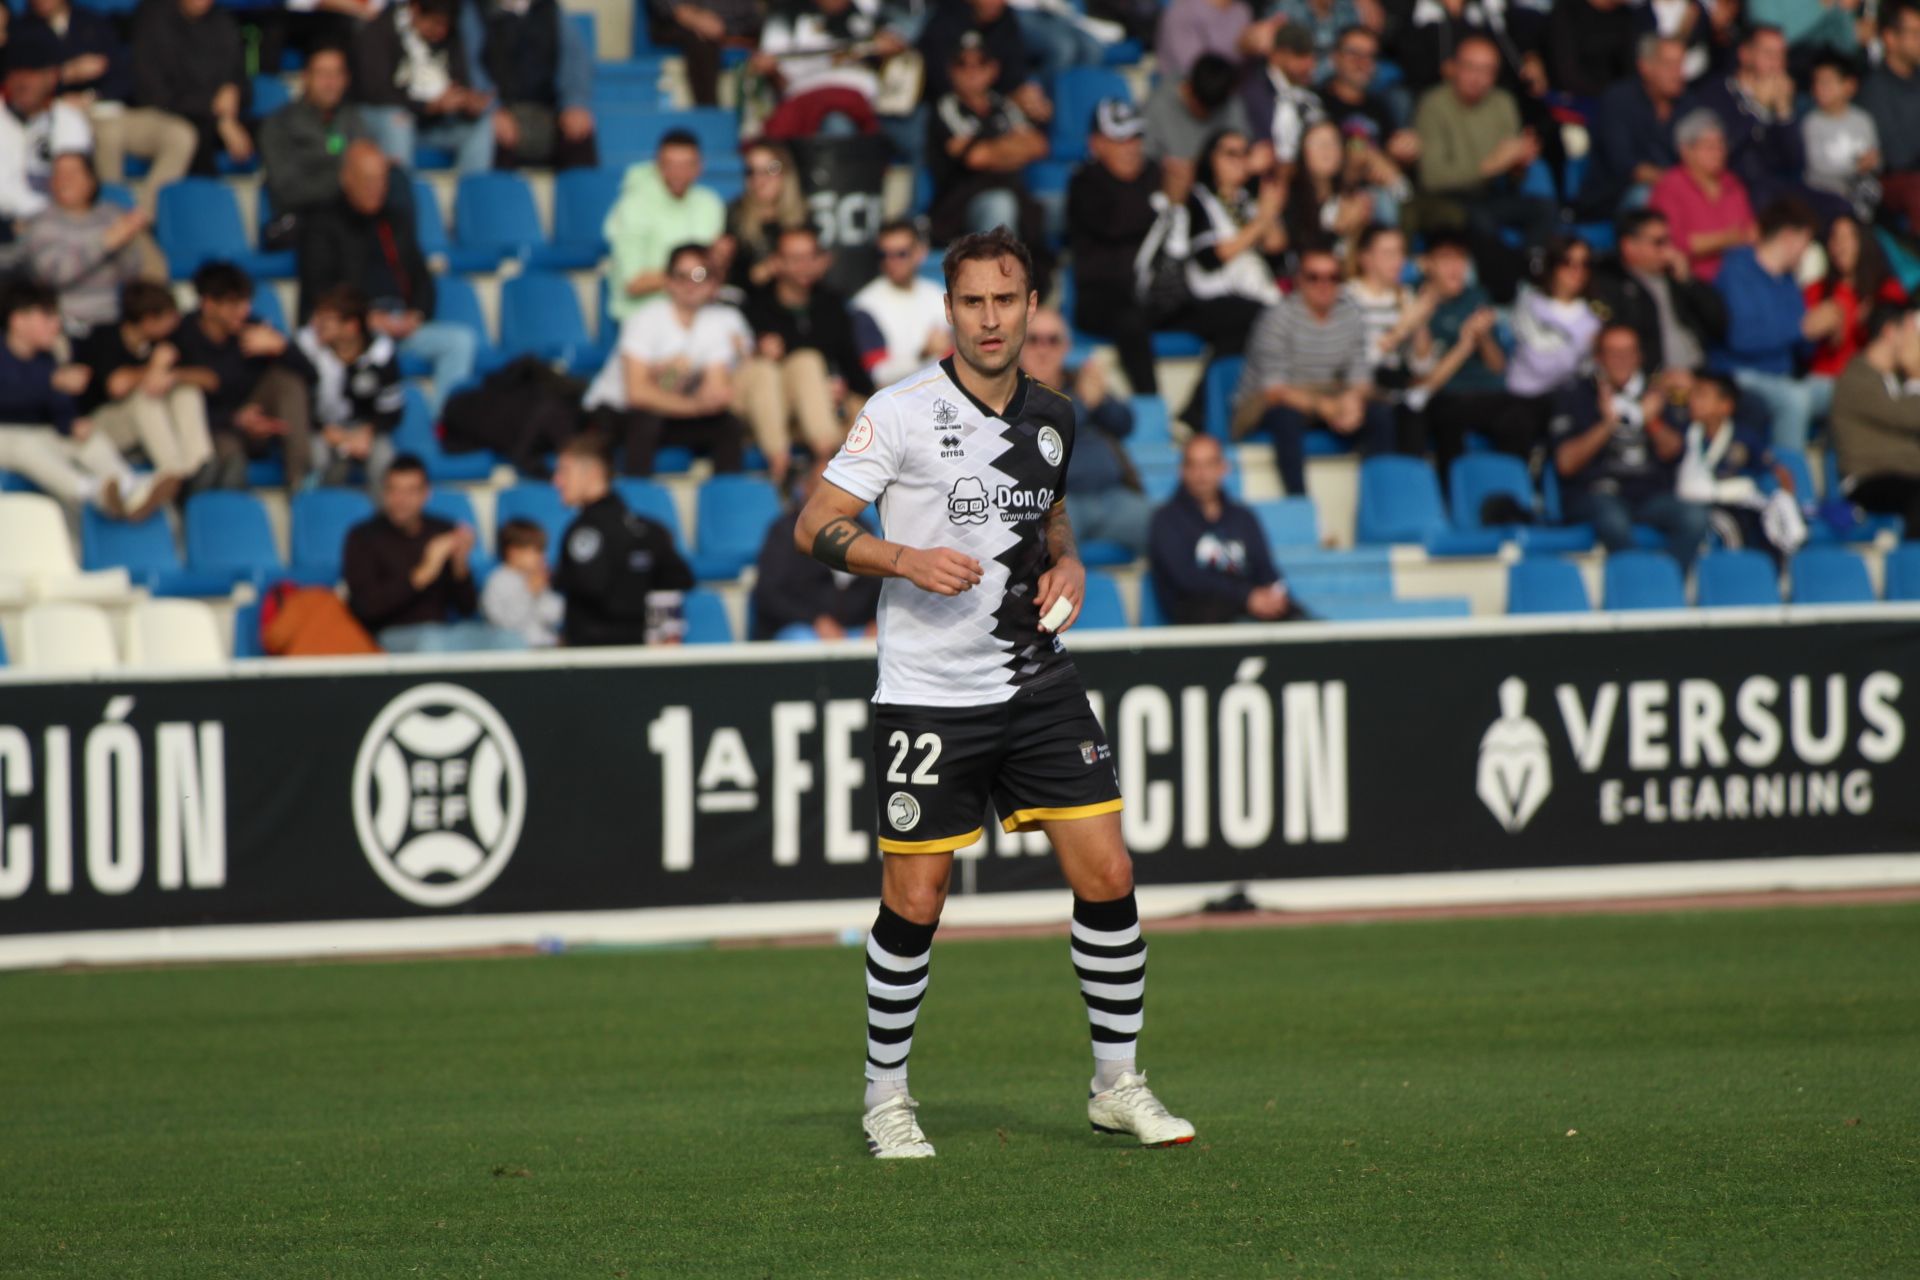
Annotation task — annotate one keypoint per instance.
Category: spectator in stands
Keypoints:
(1466, 390)
(1324, 20)
(1350, 102)
(1554, 325)
(1632, 130)
(795, 597)
(366, 237)
(1616, 440)
(1721, 467)
(519, 595)
(701, 30)
(254, 379)
(1842, 145)
(534, 63)
(83, 248)
(1705, 204)
(1000, 38)
(413, 78)
(1103, 490)
(1876, 420)
(1308, 367)
(806, 367)
(1110, 210)
(357, 396)
(303, 144)
(1590, 45)
(1190, 28)
(1768, 321)
(136, 395)
(909, 310)
(819, 56)
(1182, 114)
(1650, 286)
(1708, 28)
(1338, 190)
(33, 129)
(1473, 154)
(192, 65)
(1760, 123)
(772, 199)
(1810, 28)
(1393, 316)
(978, 143)
(619, 571)
(1281, 103)
(42, 435)
(96, 78)
(670, 379)
(1891, 96)
(1858, 279)
(660, 205)
(409, 574)
(1209, 557)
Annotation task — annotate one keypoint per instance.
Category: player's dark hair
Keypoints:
(521, 532)
(143, 300)
(407, 464)
(986, 246)
(347, 301)
(590, 446)
(222, 282)
(1212, 79)
(1789, 213)
(677, 138)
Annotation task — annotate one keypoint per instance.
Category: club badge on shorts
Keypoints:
(903, 811)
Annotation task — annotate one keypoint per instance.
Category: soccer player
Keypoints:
(967, 460)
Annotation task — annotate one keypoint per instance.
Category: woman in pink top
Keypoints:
(1705, 206)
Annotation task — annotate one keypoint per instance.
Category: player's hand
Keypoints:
(1067, 578)
(943, 571)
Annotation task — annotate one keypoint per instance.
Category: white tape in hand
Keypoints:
(1057, 616)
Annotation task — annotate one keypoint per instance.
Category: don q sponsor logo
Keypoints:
(439, 795)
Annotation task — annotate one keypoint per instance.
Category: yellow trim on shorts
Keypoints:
(945, 844)
(1030, 819)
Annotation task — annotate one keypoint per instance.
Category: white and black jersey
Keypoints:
(946, 471)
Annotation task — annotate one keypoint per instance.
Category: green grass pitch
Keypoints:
(1706, 1094)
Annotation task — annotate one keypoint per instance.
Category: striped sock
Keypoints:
(1111, 958)
(897, 954)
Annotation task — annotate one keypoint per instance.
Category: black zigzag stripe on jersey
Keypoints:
(1033, 655)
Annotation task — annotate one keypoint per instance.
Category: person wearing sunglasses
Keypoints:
(1350, 102)
(772, 199)
(1554, 325)
(1105, 500)
(908, 310)
(1648, 285)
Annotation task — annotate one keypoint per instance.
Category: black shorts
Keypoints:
(1038, 756)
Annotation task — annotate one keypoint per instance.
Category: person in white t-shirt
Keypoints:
(669, 380)
(34, 127)
(909, 310)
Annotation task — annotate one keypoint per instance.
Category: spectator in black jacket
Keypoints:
(409, 575)
(192, 65)
(795, 597)
(619, 571)
(96, 76)
(807, 367)
(1649, 287)
(357, 396)
(1001, 39)
(1590, 45)
(1109, 212)
(255, 380)
(535, 63)
(365, 237)
(1632, 130)
(1209, 553)
(979, 143)
(302, 144)
(413, 78)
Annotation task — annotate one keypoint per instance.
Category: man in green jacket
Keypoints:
(1876, 419)
(301, 144)
(660, 207)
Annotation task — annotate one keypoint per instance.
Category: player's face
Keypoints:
(989, 306)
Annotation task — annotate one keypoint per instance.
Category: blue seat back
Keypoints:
(1152, 425)
(270, 93)
(632, 135)
(540, 315)
(1104, 609)
(1545, 584)
(267, 308)
(1076, 92)
(1831, 575)
(495, 212)
(1643, 580)
(321, 519)
(1478, 476)
(1151, 614)
(229, 532)
(197, 221)
(1399, 501)
(429, 224)
(707, 620)
(734, 515)
(1903, 572)
(1728, 579)
(581, 199)
(540, 503)
(1222, 377)
(456, 303)
(653, 500)
(1289, 522)
(143, 548)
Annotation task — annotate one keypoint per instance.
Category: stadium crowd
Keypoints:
(1652, 251)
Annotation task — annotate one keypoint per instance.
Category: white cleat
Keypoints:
(893, 1133)
(1130, 1107)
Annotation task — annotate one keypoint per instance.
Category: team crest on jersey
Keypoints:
(967, 503)
(1050, 447)
(944, 414)
(903, 811)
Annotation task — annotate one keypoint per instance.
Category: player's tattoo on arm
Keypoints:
(835, 539)
(1060, 540)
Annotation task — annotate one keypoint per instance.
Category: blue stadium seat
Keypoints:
(147, 552)
(1152, 424)
(1289, 522)
(430, 227)
(1831, 575)
(1478, 476)
(1643, 580)
(1870, 524)
(734, 515)
(1728, 579)
(117, 193)
(270, 93)
(1222, 376)
(418, 435)
(198, 221)
(228, 535)
(1100, 553)
(1545, 584)
(581, 199)
(631, 135)
(321, 519)
(267, 308)
(706, 616)
(495, 213)
(540, 316)
(1399, 501)
(1177, 344)
(654, 500)
(1903, 572)
(1076, 91)
(1103, 609)
(246, 631)
(1151, 614)
(540, 503)
(456, 302)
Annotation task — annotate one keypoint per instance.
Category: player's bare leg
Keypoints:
(1110, 957)
(913, 890)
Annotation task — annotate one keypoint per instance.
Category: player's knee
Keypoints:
(1110, 880)
(920, 903)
